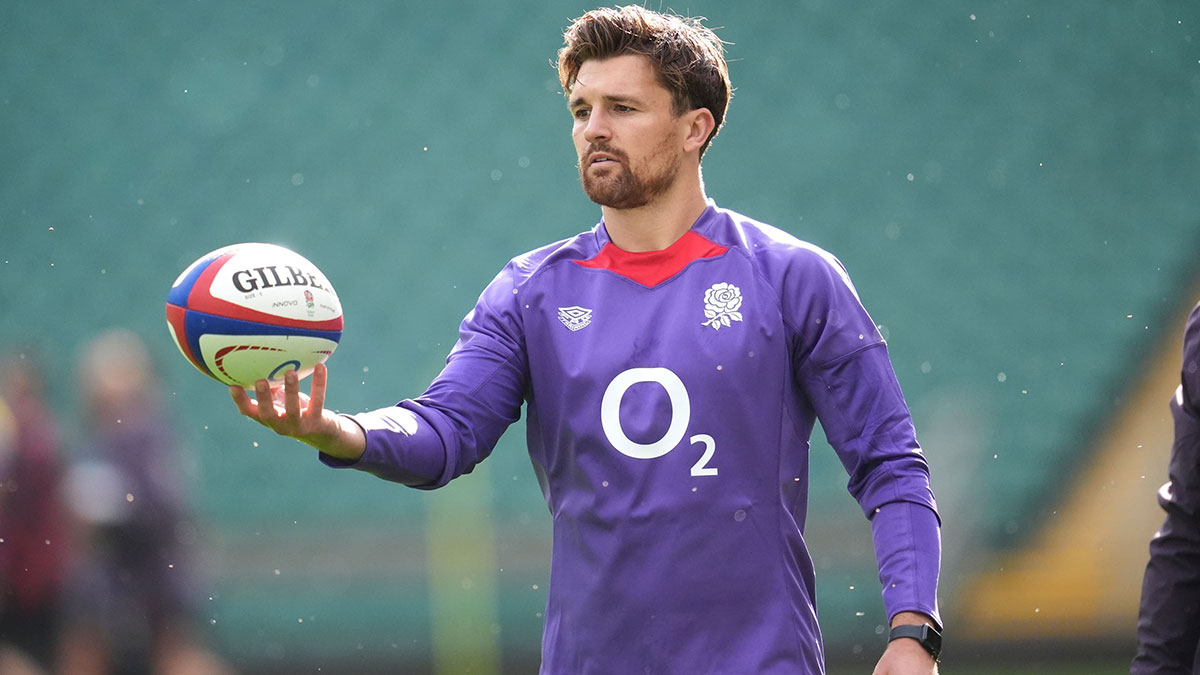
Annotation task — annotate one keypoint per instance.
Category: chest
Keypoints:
(714, 320)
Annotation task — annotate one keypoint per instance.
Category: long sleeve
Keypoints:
(908, 548)
(847, 375)
(867, 423)
(428, 441)
(1168, 627)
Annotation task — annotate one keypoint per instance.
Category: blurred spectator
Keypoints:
(133, 595)
(33, 551)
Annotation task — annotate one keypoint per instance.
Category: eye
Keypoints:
(621, 108)
(580, 113)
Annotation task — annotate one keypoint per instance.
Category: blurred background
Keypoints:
(1011, 184)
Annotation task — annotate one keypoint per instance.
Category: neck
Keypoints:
(660, 223)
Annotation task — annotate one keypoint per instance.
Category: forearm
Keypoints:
(908, 550)
(398, 445)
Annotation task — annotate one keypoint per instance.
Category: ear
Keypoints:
(700, 125)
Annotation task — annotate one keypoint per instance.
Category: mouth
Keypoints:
(600, 159)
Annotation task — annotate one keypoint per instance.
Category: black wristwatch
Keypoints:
(927, 635)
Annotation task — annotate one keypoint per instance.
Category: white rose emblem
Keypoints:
(721, 305)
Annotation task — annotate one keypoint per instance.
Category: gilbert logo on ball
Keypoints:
(254, 311)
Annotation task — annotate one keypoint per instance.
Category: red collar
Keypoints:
(651, 268)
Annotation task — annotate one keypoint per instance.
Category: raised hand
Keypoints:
(289, 412)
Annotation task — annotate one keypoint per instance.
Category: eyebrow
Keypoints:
(577, 101)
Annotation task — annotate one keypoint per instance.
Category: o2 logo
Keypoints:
(681, 415)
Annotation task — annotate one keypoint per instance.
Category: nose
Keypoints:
(597, 127)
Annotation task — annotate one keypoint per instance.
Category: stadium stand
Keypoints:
(1011, 187)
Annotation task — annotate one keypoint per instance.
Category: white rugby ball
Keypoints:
(252, 312)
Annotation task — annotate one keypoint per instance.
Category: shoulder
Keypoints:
(817, 300)
(782, 258)
(1191, 360)
(1193, 322)
(524, 269)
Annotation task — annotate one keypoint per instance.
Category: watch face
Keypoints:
(931, 640)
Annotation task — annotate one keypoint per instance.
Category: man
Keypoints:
(673, 360)
(1169, 619)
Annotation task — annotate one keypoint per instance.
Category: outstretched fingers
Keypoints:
(289, 412)
(291, 397)
(316, 395)
(242, 400)
(285, 410)
(264, 403)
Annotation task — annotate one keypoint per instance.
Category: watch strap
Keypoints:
(927, 635)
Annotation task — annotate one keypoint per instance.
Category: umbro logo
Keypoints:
(575, 318)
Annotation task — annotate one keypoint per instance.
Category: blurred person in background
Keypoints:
(133, 592)
(1168, 627)
(33, 542)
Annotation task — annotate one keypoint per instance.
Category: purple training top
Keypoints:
(671, 396)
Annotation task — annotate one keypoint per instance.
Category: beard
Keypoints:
(623, 188)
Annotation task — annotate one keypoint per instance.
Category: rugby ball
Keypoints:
(254, 311)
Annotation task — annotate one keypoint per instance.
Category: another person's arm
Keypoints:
(1168, 628)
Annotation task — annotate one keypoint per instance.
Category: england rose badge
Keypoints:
(721, 305)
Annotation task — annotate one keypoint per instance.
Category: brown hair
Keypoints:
(688, 57)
